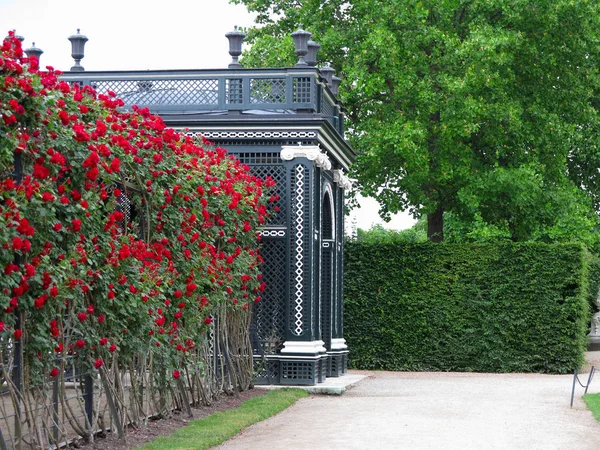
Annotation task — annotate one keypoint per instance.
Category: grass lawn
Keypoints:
(217, 428)
(593, 403)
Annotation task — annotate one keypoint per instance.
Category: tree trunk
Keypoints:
(435, 225)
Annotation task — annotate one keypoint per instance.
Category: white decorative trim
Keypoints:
(329, 191)
(310, 152)
(303, 347)
(338, 344)
(273, 233)
(254, 134)
(299, 249)
(279, 357)
(342, 180)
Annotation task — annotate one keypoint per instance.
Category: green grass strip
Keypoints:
(217, 428)
(593, 403)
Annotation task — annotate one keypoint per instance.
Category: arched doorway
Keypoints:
(327, 266)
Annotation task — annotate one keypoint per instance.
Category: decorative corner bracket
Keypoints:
(342, 180)
(310, 152)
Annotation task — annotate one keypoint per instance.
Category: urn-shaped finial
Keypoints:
(335, 84)
(311, 57)
(235, 38)
(34, 52)
(77, 50)
(301, 39)
(327, 73)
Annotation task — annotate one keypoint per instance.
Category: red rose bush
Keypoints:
(129, 252)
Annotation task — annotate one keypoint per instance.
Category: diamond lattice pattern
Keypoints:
(267, 90)
(269, 312)
(162, 92)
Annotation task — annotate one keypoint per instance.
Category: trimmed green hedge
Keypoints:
(467, 307)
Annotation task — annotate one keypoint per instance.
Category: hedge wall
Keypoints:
(467, 307)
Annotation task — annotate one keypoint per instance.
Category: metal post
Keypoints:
(573, 388)
(592, 370)
(55, 418)
(88, 397)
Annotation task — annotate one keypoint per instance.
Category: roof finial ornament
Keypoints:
(33, 51)
(235, 38)
(301, 39)
(77, 50)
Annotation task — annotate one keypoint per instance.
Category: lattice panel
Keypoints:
(328, 110)
(323, 366)
(300, 242)
(336, 365)
(299, 372)
(234, 91)
(266, 371)
(270, 311)
(162, 92)
(278, 175)
(267, 90)
(125, 208)
(257, 158)
(302, 90)
(326, 295)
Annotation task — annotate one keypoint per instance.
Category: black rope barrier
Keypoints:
(585, 386)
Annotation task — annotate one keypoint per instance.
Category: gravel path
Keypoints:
(407, 410)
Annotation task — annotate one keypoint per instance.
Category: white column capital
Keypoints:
(310, 152)
(342, 180)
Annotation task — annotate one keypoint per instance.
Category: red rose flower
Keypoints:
(115, 165)
(47, 197)
(98, 363)
(54, 372)
(176, 374)
(17, 243)
(39, 302)
(80, 343)
(76, 225)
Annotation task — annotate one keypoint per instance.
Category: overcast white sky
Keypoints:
(140, 35)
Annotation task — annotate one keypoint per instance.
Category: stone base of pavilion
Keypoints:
(331, 386)
(300, 370)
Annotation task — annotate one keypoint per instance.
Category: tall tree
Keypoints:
(443, 93)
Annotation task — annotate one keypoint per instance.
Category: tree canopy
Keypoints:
(485, 109)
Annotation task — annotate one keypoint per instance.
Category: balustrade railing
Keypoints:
(257, 91)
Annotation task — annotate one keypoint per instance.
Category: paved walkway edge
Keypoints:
(331, 386)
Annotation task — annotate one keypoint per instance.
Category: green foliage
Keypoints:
(217, 428)
(594, 280)
(467, 307)
(270, 51)
(593, 403)
(448, 96)
(379, 235)
(533, 210)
